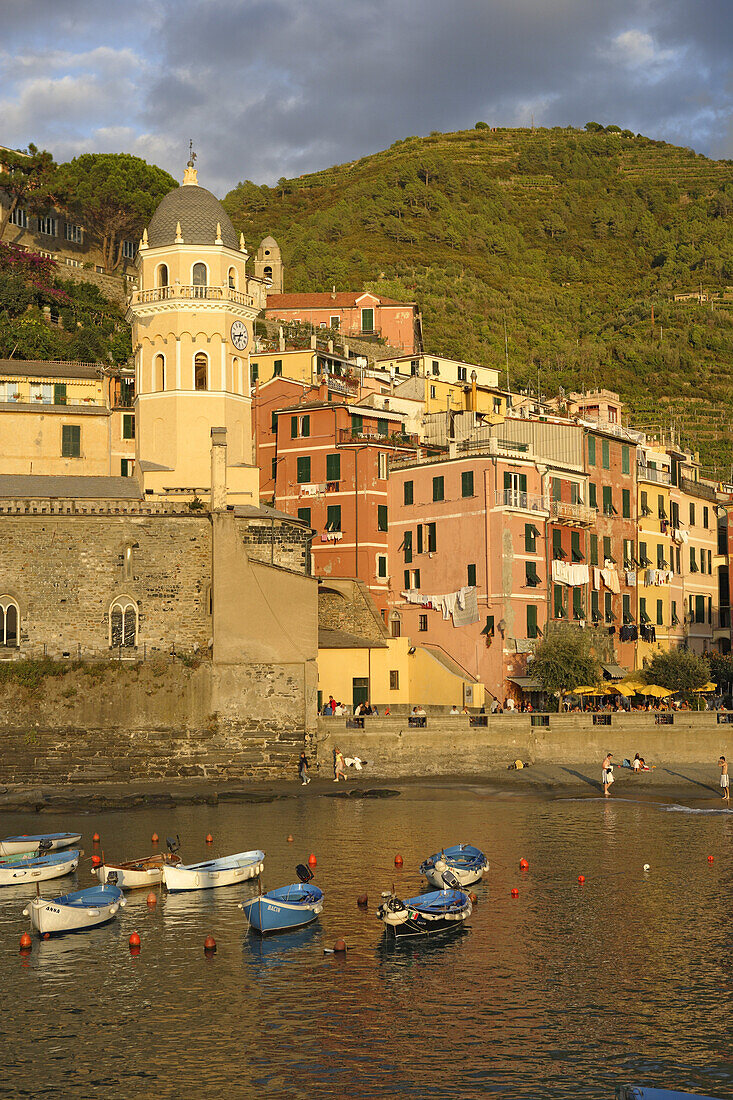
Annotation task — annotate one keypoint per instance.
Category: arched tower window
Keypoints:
(161, 275)
(199, 278)
(159, 372)
(232, 279)
(123, 623)
(9, 622)
(267, 272)
(201, 371)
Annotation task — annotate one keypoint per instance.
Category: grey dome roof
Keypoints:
(198, 211)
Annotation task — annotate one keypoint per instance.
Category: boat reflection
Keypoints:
(274, 950)
(397, 954)
(191, 904)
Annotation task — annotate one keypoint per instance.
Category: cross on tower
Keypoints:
(191, 154)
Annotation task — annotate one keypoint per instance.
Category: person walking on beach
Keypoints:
(607, 773)
(723, 765)
(339, 766)
(303, 769)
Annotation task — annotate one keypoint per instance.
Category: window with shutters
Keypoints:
(531, 620)
(333, 517)
(382, 466)
(557, 550)
(578, 612)
(556, 485)
(558, 601)
(367, 321)
(692, 514)
(432, 538)
(592, 495)
(59, 393)
(699, 609)
(407, 546)
(660, 615)
(594, 612)
(70, 441)
(643, 617)
(608, 608)
(422, 622)
(607, 500)
(532, 577)
(382, 517)
(128, 426)
(381, 565)
(438, 488)
(576, 553)
(594, 550)
(530, 538)
(626, 604)
(625, 460)
(693, 560)
(591, 450)
(277, 368)
(419, 533)
(607, 555)
(471, 576)
(645, 509)
(467, 483)
(304, 515)
(606, 454)
(626, 503)
(304, 470)
(705, 517)
(408, 492)
(333, 467)
(357, 424)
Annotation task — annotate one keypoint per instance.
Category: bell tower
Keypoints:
(192, 331)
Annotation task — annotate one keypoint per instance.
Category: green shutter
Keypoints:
(304, 514)
(293, 427)
(591, 450)
(606, 454)
(577, 603)
(438, 488)
(304, 470)
(408, 492)
(333, 517)
(594, 549)
(382, 517)
(333, 467)
(592, 495)
(595, 616)
(556, 543)
(529, 538)
(558, 600)
(467, 483)
(531, 620)
(471, 574)
(625, 463)
(59, 393)
(407, 546)
(626, 503)
(432, 538)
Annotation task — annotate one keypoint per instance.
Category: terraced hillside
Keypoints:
(577, 241)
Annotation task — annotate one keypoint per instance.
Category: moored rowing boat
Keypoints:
(15, 872)
(74, 912)
(225, 871)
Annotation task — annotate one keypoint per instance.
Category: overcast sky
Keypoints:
(270, 88)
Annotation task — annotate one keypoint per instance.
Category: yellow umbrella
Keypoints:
(657, 692)
(634, 685)
(710, 686)
(624, 689)
(582, 691)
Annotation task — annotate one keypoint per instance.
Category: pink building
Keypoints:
(354, 314)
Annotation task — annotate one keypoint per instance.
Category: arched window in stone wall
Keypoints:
(161, 275)
(123, 623)
(267, 272)
(395, 624)
(201, 370)
(200, 279)
(232, 279)
(9, 622)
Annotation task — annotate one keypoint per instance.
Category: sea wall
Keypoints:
(452, 746)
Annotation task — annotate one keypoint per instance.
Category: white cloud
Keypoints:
(636, 49)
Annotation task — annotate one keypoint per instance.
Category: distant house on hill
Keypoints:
(361, 315)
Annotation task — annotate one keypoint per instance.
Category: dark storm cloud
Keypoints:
(287, 86)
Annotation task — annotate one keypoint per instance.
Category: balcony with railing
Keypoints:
(396, 439)
(576, 515)
(179, 292)
(520, 502)
(651, 473)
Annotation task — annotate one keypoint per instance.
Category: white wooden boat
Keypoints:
(74, 912)
(464, 861)
(49, 842)
(225, 871)
(16, 872)
(135, 874)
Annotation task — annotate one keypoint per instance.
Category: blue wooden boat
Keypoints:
(17, 870)
(463, 861)
(640, 1092)
(287, 907)
(438, 911)
(75, 912)
(45, 842)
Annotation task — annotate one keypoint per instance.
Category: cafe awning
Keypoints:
(613, 671)
(526, 683)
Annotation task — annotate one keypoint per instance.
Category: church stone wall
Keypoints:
(283, 544)
(64, 571)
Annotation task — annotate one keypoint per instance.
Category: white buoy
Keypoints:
(647, 867)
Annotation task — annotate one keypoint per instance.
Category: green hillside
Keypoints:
(571, 237)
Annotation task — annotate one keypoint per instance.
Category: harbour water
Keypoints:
(564, 991)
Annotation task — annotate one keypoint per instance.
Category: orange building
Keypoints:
(360, 315)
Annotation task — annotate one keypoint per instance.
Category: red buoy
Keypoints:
(362, 901)
(312, 860)
(26, 943)
(473, 898)
(523, 865)
(95, 838)
(210, 944)
(209, 838)
(710, 859)
(154, 838)
(96, 861)
(152, 898)
(47, 935)
(134, 940)
(290, 838)
(339, 946)
(515, 892)
(581, 879)
(398, 860)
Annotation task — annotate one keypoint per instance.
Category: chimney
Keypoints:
(218, 469)
(346, 351)
(330, 346)
(281, 339)
(333, 292)
(313, 342)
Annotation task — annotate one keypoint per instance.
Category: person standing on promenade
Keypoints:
(723, 765)
(607, 773)
(303, 769)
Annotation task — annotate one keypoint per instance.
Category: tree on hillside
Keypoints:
(566, 658)
(115, 195)
(677, 669)
(30, 181)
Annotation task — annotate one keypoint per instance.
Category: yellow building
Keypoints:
(60, 418)
(192, 330)
(391, 673)
(659, 584)
(309, 365)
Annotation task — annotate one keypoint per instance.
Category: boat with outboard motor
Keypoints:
(35, 868)
(43, 842)
(226, 871)
(464, 861)
(287, 907)
(438, 911)
(136, 874)
(75, 912)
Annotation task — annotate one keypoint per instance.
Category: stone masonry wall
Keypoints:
(346, 605)
(279, 543)
(64, 571)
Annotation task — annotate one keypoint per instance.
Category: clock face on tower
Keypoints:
(240, 336)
